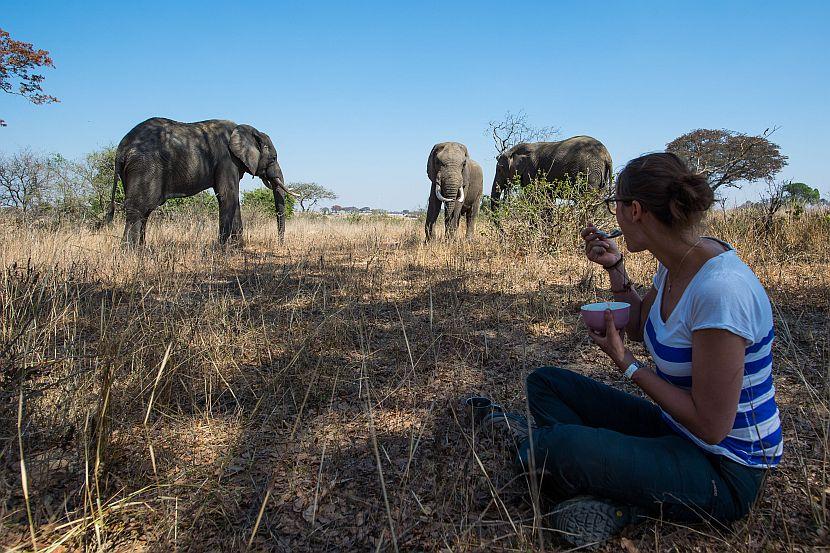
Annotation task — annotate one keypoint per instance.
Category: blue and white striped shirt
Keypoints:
(724, 294)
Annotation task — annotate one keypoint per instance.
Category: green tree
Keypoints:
(262, 200)
(94, 174)
(800, 193)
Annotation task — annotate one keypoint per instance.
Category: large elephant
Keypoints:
(555, 161)
(457, 182)
(161, 159)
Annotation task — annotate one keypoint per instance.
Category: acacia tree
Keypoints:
(514, 129)
(728, 158)
(309, 193)
(18, 60)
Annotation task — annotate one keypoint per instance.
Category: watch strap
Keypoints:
(632, 368)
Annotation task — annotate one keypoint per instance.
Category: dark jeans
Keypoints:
(596, 440)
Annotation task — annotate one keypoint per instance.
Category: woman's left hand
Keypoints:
(611, 342)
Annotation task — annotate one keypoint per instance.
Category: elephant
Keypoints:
(457, 182)
(161, 159)
(555, 161)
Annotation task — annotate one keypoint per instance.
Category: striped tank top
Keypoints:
(723, 294)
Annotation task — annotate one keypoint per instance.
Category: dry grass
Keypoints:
(305, 397)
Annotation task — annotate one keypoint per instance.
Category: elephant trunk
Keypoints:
(279, 208)
(449, 185)
(495, 194)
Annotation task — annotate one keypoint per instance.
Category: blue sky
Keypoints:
(355, 94)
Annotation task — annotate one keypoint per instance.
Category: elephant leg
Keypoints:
(139, 202)
(143, 228)
(236, 225)
(230, 224)
(133, 228)
(230, 219)
(472, 213)
(433, 209)
(452, 216)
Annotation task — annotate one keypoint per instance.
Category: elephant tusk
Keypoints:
(287, 190)
(438, 193)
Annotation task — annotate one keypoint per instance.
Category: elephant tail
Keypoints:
(606, 174)
(111, 212)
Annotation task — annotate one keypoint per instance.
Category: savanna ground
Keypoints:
(306, 397)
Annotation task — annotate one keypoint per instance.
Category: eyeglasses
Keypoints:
(611, 203)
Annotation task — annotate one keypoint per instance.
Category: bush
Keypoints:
(203, 203)
(261, 200)
(545, 217)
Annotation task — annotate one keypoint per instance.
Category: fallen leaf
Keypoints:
(629, 546)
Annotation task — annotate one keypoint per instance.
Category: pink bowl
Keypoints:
(594, 314)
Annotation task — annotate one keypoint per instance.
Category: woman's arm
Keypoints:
(708, 410)
(621, 288)
(604, 251)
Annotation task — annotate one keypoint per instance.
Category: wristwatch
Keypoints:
(632, 368)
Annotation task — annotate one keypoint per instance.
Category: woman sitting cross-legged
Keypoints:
(701, 449)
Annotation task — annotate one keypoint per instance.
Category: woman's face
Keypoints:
(629, 219)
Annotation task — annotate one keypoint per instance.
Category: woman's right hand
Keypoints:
(598, 249)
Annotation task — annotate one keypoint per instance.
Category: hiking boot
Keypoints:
(507, 424)
(585, 520)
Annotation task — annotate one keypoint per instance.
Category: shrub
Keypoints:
(545, 217)
(261, 200)
(203, 203)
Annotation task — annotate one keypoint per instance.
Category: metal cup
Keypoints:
(479, 407)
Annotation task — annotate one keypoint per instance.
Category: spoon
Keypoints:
(613, 234)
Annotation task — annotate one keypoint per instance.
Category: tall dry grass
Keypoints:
(306, 396)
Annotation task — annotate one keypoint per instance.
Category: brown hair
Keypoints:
(666, 187)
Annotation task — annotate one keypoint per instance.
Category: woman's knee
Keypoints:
(547, 377)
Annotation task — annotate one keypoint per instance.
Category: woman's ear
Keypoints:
(244, 146)
(636, 211)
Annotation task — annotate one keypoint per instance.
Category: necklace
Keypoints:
(682, 259)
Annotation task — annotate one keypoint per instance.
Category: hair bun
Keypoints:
(693, 192)
(665, 186)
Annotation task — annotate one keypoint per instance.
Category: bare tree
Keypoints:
(25, 179)
(514, 129)
(728, 158)
(774, 199)
(309, 193)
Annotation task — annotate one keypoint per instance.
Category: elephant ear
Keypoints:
(521, 165)
(431, 171)
(244, 146)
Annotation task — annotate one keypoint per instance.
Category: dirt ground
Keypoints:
(306, 397)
